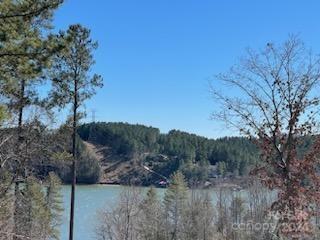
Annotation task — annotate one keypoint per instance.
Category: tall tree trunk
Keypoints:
(74, 156)
(19, 170)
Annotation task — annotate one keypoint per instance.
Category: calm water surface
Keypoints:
(89, 200)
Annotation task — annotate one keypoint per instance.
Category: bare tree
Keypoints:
(6, 208)
(121, 222)
(273, 101)
(198, 222)
(223, 221)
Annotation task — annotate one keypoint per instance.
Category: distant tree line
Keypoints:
(190, 153)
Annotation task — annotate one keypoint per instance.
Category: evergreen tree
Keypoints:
(151, 217)
(54, 205)
(72, 85)
(39, 211)
(26, 48)
(88, 170)
(2, 114)
(221, 168)
(34, 219)
(175, 202)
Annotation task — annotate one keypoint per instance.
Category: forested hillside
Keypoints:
(197, 157)
(119, 152)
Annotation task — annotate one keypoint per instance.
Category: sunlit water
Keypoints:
(89, 200)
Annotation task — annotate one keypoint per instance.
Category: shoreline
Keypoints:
(235, 183)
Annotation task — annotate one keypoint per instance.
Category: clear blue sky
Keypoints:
(156, 56)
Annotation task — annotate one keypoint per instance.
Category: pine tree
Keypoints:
(26, 48)
(34, 220)
(26, 44)
(54, 205)
(221, 168)
(72, 85)
(2, 114)
(175, 202)
(151, 217)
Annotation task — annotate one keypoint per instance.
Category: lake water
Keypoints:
(89, 200)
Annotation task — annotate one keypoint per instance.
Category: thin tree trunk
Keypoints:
(19, 170)
(74, 155)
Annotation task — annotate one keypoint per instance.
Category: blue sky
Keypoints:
(157, 56)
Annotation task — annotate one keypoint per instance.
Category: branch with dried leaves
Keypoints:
(272, 100)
